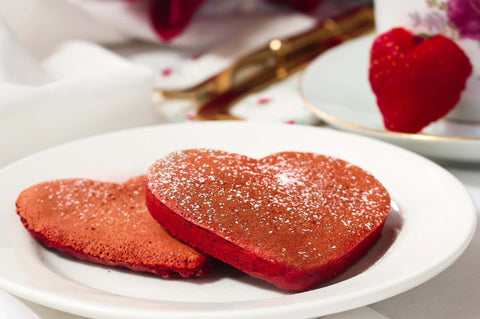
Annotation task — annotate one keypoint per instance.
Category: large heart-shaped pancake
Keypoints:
(293, 219)
(106, 223)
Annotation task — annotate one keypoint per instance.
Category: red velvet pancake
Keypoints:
(106, 223)
(293, 219)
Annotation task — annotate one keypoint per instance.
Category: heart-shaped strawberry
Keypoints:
(293, 219)
(416, 81)
(106, 223)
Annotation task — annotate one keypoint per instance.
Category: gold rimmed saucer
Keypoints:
(335, 86)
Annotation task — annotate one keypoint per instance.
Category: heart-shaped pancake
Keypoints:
(106, 223)
(293, 219)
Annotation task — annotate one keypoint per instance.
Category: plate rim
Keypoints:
(311, 304)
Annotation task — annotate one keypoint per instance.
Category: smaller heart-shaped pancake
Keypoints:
(106, 223)
(293, 219)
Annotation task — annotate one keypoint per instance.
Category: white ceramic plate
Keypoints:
(432, 224)
(336, 87)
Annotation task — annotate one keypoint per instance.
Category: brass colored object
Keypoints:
(273, 63)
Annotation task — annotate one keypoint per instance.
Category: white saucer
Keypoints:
(403, 258)
(336, 87)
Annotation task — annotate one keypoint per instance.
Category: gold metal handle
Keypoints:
(279, 59)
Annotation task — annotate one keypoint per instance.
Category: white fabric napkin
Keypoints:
(41, 25)
(79, 90)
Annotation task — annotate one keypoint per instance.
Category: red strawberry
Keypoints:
(417, 81)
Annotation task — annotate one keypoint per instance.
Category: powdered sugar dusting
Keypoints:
(291, 204)
(107, 222)
(79, 200)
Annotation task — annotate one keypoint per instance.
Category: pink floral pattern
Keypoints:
(433, 21)
(465, 14)
(453, 18)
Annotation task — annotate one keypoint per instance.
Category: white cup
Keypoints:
(431, 17)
